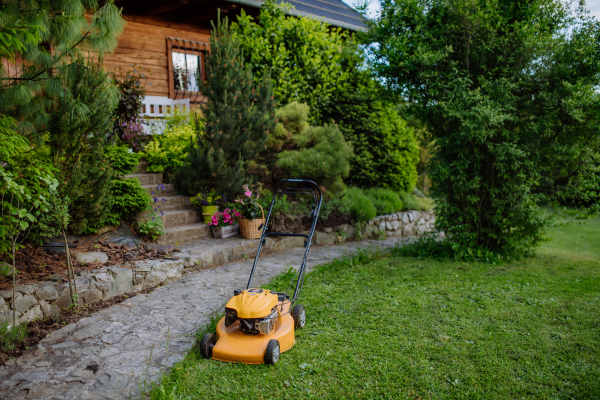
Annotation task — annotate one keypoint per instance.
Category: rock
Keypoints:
(56, 278)
(160, 249)
(111, 385)
(328, 230)
(23, 303)
(382, 226)
(122, 282)
(344, 228)
(91, 256)
(394, 217)
(407, 231)
(324, 238)
(32, 314)
(5, 294)
(47, 292)
(405, 218)
(48, 310)
(90, 294)
(371, 222)
(395, 225)
(388, 226)
(25, 289)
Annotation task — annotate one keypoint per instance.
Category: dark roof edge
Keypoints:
(334, 22)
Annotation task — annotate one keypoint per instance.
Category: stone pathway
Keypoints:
(108, 354)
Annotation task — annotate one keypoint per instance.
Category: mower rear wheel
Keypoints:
(299, 315)
(206, 344)
(272, 352)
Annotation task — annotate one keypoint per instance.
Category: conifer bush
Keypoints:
(128, 197)
(79, 127)
(239, 117)
(298, 150)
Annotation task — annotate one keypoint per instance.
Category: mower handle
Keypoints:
(300, 180)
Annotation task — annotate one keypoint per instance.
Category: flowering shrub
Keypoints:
(153, 226)
(206, 199)
(248, 205)
(225, 218)
(132, 132)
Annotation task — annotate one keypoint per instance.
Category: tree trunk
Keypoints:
(69, 269)
(14, 243)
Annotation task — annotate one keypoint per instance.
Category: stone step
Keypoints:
(168, 191)
(175, 203)
(146, 179)
(185, 234)
(174, 218)
(141, 169)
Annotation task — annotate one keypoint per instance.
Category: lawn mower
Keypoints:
(259, 324)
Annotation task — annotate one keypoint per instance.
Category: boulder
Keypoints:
(23, 303)
(160, 249)
(395, 225)
(405, 218)
(91, 256)
(47, 292)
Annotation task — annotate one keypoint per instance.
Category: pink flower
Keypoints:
(248, 193)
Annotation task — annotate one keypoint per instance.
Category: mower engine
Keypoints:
(249, 308)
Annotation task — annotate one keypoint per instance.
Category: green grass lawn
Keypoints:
(384, 327)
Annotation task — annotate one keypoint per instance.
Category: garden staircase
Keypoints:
(182, 220)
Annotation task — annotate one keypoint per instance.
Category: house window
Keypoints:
(186, 67)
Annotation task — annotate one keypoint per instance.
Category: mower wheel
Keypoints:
(206, 344)
(299, 315)
(272, 352)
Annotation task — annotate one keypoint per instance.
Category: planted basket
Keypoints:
(249, 227)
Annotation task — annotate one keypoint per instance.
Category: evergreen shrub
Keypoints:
(386, 201)
(239, 115)
(128, 197)
(79, 129)
(359, 205)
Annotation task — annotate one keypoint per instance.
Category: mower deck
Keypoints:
(233, 345)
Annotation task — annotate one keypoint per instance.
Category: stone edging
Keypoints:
(43, 299)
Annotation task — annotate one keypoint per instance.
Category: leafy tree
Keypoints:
(79, 123)
(507, 90)
(322, 66)
(128, 121)
(238, 118)
(303, 56)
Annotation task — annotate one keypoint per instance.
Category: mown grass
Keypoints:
(381, 327)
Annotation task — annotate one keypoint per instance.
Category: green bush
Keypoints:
(297, 150)
(128, 197)
(386, 201)
(359, 205)
(170, 149)
(122, 160)
(413, 202)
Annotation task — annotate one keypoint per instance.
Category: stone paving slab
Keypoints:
(107, 355)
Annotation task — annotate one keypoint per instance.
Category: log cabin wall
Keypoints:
(144, 43)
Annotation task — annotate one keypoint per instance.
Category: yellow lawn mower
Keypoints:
(259, 324)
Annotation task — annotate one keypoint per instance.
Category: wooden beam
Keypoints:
(173, 5)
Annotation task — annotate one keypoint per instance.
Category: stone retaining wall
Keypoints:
(43, 299)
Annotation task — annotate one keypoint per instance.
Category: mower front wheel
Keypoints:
(206, 344)
(272, 352)
(299, 315)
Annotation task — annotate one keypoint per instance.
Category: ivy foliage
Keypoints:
(508, 92)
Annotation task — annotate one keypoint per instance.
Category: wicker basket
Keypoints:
(249, 227)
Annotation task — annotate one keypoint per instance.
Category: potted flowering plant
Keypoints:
(225, 224)
(208, 202)
(252, 214)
